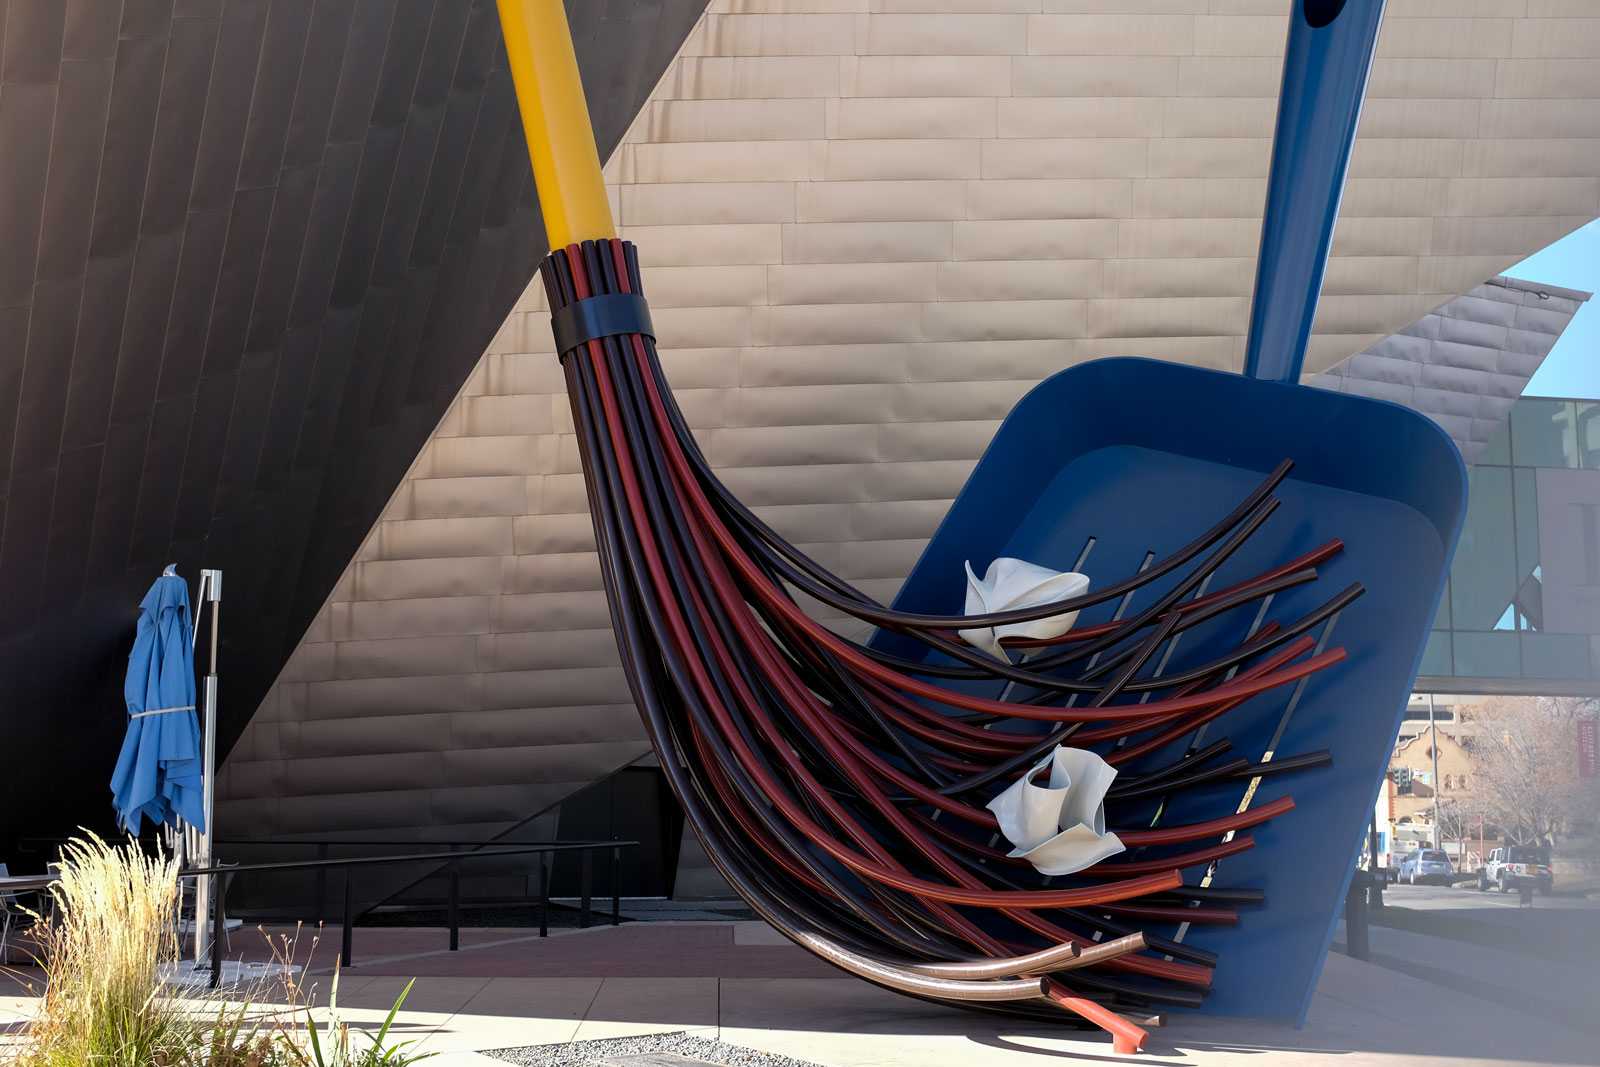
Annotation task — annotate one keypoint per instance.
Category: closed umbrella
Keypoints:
(159, 773)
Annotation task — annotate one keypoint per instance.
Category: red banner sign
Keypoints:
(1588, 748)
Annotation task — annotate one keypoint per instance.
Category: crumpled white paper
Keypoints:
(1060, 828)
(1014, 583)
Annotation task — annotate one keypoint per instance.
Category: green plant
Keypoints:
(332, 1048)
(380, 1055)
(237, 1040)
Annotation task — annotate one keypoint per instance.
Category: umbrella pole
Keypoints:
(211, 584)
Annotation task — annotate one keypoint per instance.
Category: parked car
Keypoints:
(1424, 865)
(1515, 866)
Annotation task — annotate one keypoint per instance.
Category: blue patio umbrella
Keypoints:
(159, 772)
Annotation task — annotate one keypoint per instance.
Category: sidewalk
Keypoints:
(1363, 1015)
(763, 993)
(740, 983)
(1552, 990)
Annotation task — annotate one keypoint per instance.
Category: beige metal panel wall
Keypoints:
(1464, 365)
(869, 226)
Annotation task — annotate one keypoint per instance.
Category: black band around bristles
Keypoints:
(607, 315)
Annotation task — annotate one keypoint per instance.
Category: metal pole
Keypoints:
(455, 906)
(216, 938)
(1375, 892)
(1438, 833)
(206, 887)
(588, 881)
(544, 896)
(1355, 919)
(349, 915)
(322, 884)
(616, 886)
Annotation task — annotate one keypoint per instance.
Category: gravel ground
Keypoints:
(697, 1049)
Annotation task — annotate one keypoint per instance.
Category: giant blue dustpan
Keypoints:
(1140, 456)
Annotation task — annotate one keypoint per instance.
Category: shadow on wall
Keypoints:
(273, 241)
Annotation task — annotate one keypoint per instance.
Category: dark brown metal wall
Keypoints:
(249, 251)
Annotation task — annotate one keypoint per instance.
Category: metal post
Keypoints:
(322, 885)
(1438, 833)
(616, 886)
(455, 905)
(1375, 890)
(216, 938)
(349, 915)
(206, 885)
(1355, 919)
(588, 880)
(544, 896)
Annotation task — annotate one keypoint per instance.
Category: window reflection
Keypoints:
(1588, 435)
(1544, 434)
(1487, 655)
(1483, 578)
(1491, 614)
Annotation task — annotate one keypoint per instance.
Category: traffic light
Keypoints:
(1402, 781)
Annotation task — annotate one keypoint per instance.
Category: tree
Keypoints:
(1525, 768)
(1457, 819)
(1453, 820)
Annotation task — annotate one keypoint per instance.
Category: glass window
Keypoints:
(1436, 655)
(1588, 434)
(1486, 655)
(1555, 655)
(1498, 450)
(1483, 578)
(1543, 433)
(1525, 502)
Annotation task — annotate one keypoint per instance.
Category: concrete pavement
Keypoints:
(1362, 1015)
(1541, 962)
(1552, 990)
(1491, 906)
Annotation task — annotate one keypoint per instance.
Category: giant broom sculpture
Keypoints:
(854, 795)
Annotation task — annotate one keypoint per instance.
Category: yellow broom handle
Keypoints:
(566, 164)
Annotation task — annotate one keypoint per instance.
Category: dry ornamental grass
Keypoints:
(112, 927)
(112, 930)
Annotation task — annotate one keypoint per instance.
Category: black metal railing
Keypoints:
(453, 859)
(323, 845)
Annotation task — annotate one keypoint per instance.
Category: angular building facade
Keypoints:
(249, 252)
(297, 341)
(867, 230)
(1465, 365)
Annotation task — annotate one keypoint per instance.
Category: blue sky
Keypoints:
(1573, 366)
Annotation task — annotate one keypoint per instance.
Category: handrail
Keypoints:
(386, 841)
(24, 842)
(352, 861)
(452, 858)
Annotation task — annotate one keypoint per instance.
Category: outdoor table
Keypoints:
(22, 883)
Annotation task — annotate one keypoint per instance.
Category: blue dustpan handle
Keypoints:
(1324, 80)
